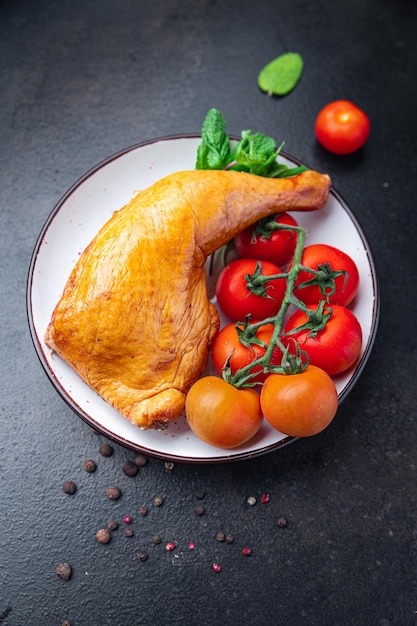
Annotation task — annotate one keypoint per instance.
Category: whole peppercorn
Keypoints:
(64, 571)
(199, 494)
(130, 468)
(220, 536)
(129, 532)
(229, 538)
(128, 519)
(143, 510)
(141, 460)
(246, 551)
(69, 487)
(158, 501)
(251, 501)
(112, 525)
(103, 536)
(90, 466)
(216, 567)
(142, 556)
(156, 539)
(281, 521)
(169, 466)
(199, 509)
(106, 449)
(113, 493)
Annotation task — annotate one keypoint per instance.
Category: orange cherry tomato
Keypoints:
(341, 127)
(221, 414)
(299, 405)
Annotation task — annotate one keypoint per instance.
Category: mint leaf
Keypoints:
(281, 75)
(255, 153)
(214, 150)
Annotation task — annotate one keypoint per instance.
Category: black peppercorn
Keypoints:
(143, 510)
(106, 449)
(69, 487)
(141, 460)
(90, 466)
(130, 468)
(229, 538)
(199, 509)
(112, 525)
(142, 556)
(281, 521)
(113, 493)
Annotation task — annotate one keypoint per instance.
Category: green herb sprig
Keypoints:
(255, 153)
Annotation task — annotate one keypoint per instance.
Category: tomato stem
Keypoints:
(243, 377)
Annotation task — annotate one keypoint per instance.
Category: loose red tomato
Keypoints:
(262, 241)
(237, 300)
(335, 348)
(341, 127)
(299, 405)
(222, 415)
(320, 254)
(227, 344)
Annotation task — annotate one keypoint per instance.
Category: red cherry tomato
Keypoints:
(222, 415)
(317, 255)
(335, 348)
(262, 241)
(299, 405)
(227, 344)
(237, 301)
(341, 127)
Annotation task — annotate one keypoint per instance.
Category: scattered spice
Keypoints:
(199, 494)
(103, 536)
(216, 567)
(158, 501)
(130, 468)
(141, 460)
(170, 546)
(69, 487)
(246, 551)
(128, 519)
(143, 510)
(106, 449)
(251, 501)
(191, 545)
(113, 493)
(199, 509)
(64, 571)
(220, 536)
(169, 466)
(112, 525)
(90, 466)
(229, 538)
(66, 623)
(129, 532)
(142, 556)
(264, 498)
(156, 539)
(281, 521)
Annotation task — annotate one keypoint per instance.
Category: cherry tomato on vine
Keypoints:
(341, 127)
(299, 405)
(237, 300)
(336, 347)
(261, 241)
(320, 254)
(227, 343)
(221, 414)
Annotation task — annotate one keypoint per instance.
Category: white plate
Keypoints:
(75, 221)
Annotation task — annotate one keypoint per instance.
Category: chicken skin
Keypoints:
(134, 320)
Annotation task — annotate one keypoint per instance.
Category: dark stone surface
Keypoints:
(82, 80)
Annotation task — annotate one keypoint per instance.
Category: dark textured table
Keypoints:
(83, 80)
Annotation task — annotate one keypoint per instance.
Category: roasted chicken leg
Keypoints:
(134, 320)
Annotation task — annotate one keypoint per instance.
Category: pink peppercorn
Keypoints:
(264, 498)
(127, 519)
(216, 567)
(247, 551)
(191, 545)
(170, 546)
